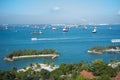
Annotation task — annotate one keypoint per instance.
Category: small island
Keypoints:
(30, 54)
(101, 49)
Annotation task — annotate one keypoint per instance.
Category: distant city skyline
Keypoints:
(59, 12)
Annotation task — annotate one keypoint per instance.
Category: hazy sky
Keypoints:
(59, 11)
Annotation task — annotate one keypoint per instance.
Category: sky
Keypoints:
(59, 11)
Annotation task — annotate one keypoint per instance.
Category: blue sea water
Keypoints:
(71, 45)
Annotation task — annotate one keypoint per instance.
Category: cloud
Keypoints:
(118, 12)
(56, 8)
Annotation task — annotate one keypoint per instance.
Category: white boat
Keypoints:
(35, 32)
(40, 32)
(54, 28)
(94, 30)
(34, 39)
(65, 30)
(115, 40)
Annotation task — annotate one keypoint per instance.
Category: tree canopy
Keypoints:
(30, 52)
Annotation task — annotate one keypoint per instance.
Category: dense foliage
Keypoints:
(103, 49)
(30, 52)
(113, 46)
(65, 72)
(98, 48)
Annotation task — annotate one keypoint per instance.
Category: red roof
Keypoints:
(117, 77)
(87, 74)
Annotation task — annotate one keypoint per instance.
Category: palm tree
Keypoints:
(31, 65)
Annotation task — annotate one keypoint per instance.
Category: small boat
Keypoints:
(94, 30)
(65, 30)
(34, 39)
(35, 32)
(40, 32)
(54, 28)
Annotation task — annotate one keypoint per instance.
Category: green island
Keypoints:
(101, 49)
(94, 70)
(17, 54)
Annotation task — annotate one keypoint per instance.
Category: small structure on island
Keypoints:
(86, 74)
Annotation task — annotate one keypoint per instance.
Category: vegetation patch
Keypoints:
(80, 71)
(101, 49)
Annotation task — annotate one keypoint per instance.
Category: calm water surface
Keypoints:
(72, 45)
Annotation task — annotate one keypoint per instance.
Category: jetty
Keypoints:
(31, 54)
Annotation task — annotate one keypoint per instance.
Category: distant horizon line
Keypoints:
(58, 24)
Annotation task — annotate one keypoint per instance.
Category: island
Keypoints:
(18, 54)
(101, 49)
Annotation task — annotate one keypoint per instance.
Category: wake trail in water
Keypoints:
(75, 38)
(33, 39)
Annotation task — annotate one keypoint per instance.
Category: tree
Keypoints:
(31, 65)
(52, 64)
(79, 77)
(104, 77)
(100, 68)
(38, 66)
(14, 69)
(45, 74)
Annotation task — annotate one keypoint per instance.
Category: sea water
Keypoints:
(72, 45)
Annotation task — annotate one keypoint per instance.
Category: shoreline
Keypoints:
(31, 56)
